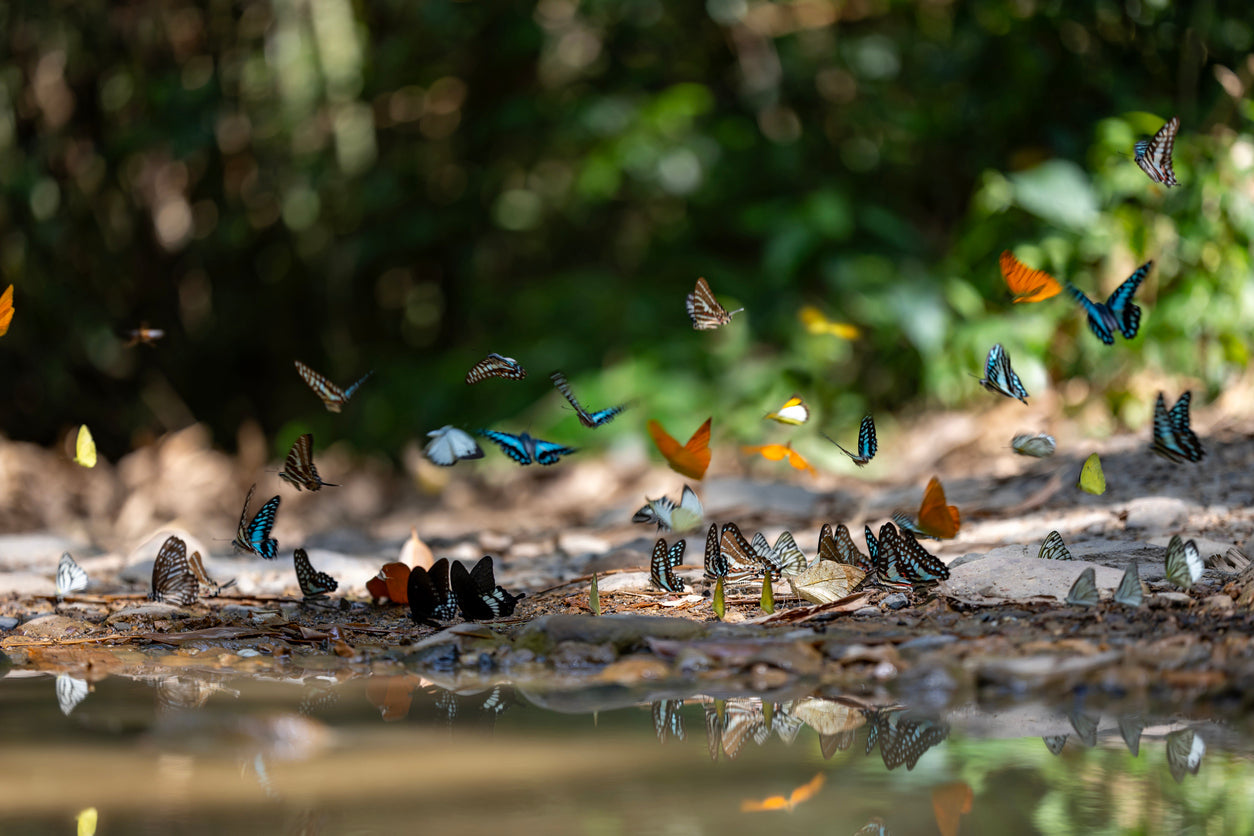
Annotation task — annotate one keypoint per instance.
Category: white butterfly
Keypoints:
(70, 692)
(449, 444)
(685, 516)
(1184, 563)
(70, 576)
(1037, 446)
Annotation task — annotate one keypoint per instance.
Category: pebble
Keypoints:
(1157, 512)
(575, 543)
(8, 623)
(493, 542)
(1219, 602)
(896, 601)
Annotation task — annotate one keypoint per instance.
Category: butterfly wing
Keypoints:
(495, 365)
(1084, 591)
(241, 532)
(1026, 284)
(1055, 743)
(259, 539)
(517, 447)
(313, 584)
(332, 396)
(1173, 439)
(867, 444)
(1126, 313)
(792, 561)
(547, 452)
(839, 546)
(1037, 446)
(1053, 548)
(85, 448)
(917, 563)
(999, 377)
(1184, 563)
(662, 565)
(693, 458)
(298, 468)
(742, 560)
(448, 445)
(937, 519)
(172, 578)
(6, 310)
(1092, 479)
(793, 412)
(1154, 155)
(689, 513)
(888, 568)
(1129, 592)
(1102, 321)
(70, 576)
(715, 564)
(704, 310)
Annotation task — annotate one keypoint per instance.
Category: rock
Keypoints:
(493, 542)
(1156, 512)
(867, 611)
(8, 622)
(576, 543)
(895, 601)
(1017, 578)
(53, 626)
(1219, 602)
(1172, 598)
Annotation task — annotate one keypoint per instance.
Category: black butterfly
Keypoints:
(478, 596)
(431, 599)
(298, 470)
(917, 563)
(1173, 439)
(313, 584)
(715, 564)
(172, 577)
(662, 566)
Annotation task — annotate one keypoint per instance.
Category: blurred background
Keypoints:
(405, 187)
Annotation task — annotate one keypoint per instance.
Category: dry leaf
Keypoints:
(416, 553)
(826, 581)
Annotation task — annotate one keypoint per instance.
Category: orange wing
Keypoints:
(776, 452)
(693, 458)
(1026, 284)
(935, 516)
(950, 802)
(392, 583)
(6, 310)
(777, 802)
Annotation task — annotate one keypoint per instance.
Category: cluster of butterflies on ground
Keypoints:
(1184, 568)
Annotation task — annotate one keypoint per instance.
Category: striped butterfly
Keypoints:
(202, 577)
(1084, 591)
(669, 516)
(1173, 439)
(888, 570)
(744, 719)
(1053, 548)
(1184, 563)
(667, 721)
(70, 692)
(495, 365)
(477, 593)
(589, 419)
(298, 470)
(1154, 155)
(715, 563)
(1129, 592)
(742, 559)
(999, 377)
(691, 459)
(937, 519)
(794, 412)
(1119, 313)
(333, 397)
(917, 563)
(713, 729)
(1037, 446)
(313, 584)
(172, 577)
(524, 449)
(904, 740)
(1026, 284)
(449, 445)
(867, 445)
(704, 309)
(70, 576)
(839, 546)
(662, 565)
(6, 310)
(783, 558)
(255, 536)
(431, 598)
(1185, 750)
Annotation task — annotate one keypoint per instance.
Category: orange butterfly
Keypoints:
(777, 802)
(392, 583)
(1026, 284)
(692, 458)
(936, 519)
(6, 310)
(950, 802)
(775, 452)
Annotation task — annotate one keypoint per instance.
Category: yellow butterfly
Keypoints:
(794, 411)
(817, 323)
(87, 822)
(1092, 480)
(85, 448)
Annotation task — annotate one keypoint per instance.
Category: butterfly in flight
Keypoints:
(495, 365)
(1026, 284)
(145, 335)
(817, 323)
(6, 310)
(783, 558)
(1053, 548)
(449, 445)
(704, 309)
(1184, 562)
(838, 545)
(588, 419)
(1173, 439)
(1119, 312)
(70, 576)
(85, 448)
(1037, 446)
(255, 536)
(431, 598)
(669, 516)
(202, 577)
(298, 469)
(172, 577)
(524, 449)
(1084, 590)
(937, 519)
(999, 377)
(1154, 155)
(794, 412)
(478, 596)
(663, 563)
(333, 397)
(777, 452)
(690, 459)
(867, 445)
(313, 584)
(715, 563)
(1129, 592)
(1092, 478)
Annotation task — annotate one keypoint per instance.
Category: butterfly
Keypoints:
(1084, 590)
(448, 445)
(742, 559)
(917, 563)
(817, 323)
(715, 564)
(839, 546)
(1184, 563)
(867, 445)
(776, 452)
(1026, 284)
(874, 827)
(431, 598)
(255, 536)
(1037, 446)
(1055, 743)
(783, 558)
(202, 577)
(936, 519)
(794, 412)
(906, 740)
(1173, 440)
(685, 516)
(1154, 155)
(886, 553)
(999, 377)
(1185, 750)
(476, 591)
(1085, 727)
(662, 566)
(1129, 592)
(1092, 479)
(6, 310)
(667, 720)
(704, 309)
(313, 584)
(85, 448)
(693, 458)
(172, 577)
(495, 365)
(1053, 548)
(778, 802)
(588, 419)
(143, 334)
(1118, 313)
(70, 576)
(299, 470)
(1130, 728)
(70, 692)
(332, 396)
(524, 449)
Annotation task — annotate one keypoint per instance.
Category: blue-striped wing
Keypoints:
(1127, 315)
(888, 571)
(588, 419)
(907, 524)
(255, 536)
(715, 563)
(172, 578)
(662, 566)
(1102, 321)
(333, 397)
(1154, 155)
(313, 584)
(547, 452)
(867, 445)
(999, 377)
(917, 563)
(518, 447)
(1173, 438)
(667, 720)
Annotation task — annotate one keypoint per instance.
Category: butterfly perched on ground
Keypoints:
(255, 536)
(715, 563)
(663, 563)
(1173, 439)
(691, 459)
(1129, 592)
(670, 516)
(916, 563)
(704, 309)
(1184, 562)
(333, 397)
(867, 445)
(999, 377)
(478, 596)
(172, 577)
(1092, 478)
(1084, 591)
(298, 470)
(1154, 155)
(1037, 446)
(794, 412)
(84, 448)
(588, 419)
(1026, 284)
(838, 546)
(313, 584)
(1053, 548)
(783, 558)
(70, 576)
(524, 449)
(495, 365)
(143, 334)
(202, 577)
(743, 561)
(6, 310)
(886, 552)
(431, 598)
(1118, 313)
(448, 445)
(937, 519)
(777, 452)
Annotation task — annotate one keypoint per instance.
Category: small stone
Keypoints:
(494, 542)
(530, 551)
(7, 623)
(867, 611)
(896, 601)
(1156, 512)
(1173, 598)
(576, 543)
(1219, 602)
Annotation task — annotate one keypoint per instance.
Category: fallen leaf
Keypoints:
(826, 581)
(416, 553)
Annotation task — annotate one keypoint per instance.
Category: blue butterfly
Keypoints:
(588, 419)
(999, 377)
(1118, 313)
(255, 536)
(524, 449)
(1173, 439)
(917, 563)
(886, 554)
(867, 445)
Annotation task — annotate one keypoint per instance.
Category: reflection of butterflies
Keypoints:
(1130, 727)
(495, 365)
(1092, 479)
(666, 718)
(588, 419)
(1084, 590)
(1118, 313)
(794, 411)
(333, 397)
(313, 584)
(713, 729)
(202, 577)
(715, 563)
(255, 536)
(1173, 440)
(1154, 155)
(704, 309)
(1184, 753)
(742, 719)
(999, 377)
(299, 470)
(1129, 591)
(1055, 743)
(1026, 284)
(776, 452)
(691, 459)
(1053, 548)
(937, 519)
(778, 802)
(668, 516)
(662, 566)
(448, 445)
(6, 310)
(478, 596)
(85, 448)
(917, 563)
(867, 445)
(1037, 446)
(902, 740)
(1085, 727)
(1184, 563)
(430, 597)
(875, 827)
(839, 546)
(70, 576)
(524, 449)
(172, 578)
(742, 559)
(783, 558)
(70, 692)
